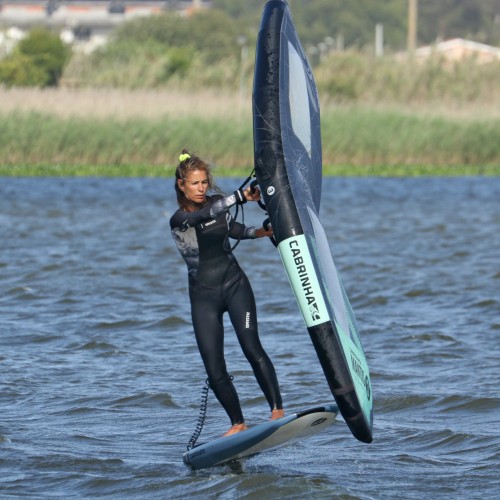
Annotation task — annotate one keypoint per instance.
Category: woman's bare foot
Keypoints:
(275, 414)
(235, 429)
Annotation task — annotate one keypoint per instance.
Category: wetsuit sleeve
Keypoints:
(184, 220)
(242, 232)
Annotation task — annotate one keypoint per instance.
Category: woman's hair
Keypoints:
(188, 163)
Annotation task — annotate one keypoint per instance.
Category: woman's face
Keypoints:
(195, 186)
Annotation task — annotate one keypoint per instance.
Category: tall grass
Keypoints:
(364, 136)
(35, 138)
(122, 104)
(119, 132)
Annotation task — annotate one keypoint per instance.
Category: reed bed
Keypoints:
(122, 104)
(123, 132)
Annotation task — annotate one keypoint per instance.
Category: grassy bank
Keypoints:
(329, 170)
(123, 133)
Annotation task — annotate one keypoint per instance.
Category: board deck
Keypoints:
(261, 437)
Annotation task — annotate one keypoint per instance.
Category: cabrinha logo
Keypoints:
(301, 271)
(305, 281)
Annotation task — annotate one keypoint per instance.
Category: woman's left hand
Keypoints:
(252, 194)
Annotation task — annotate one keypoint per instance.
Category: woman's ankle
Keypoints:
(277, 413)
(234, 429)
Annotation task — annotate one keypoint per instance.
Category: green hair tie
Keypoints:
(184, 157)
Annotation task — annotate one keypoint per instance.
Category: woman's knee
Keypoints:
(218, 377)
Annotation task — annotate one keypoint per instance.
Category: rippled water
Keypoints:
(100, 379)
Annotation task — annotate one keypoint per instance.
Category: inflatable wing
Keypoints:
(288, 166)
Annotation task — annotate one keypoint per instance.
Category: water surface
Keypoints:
(100, 379)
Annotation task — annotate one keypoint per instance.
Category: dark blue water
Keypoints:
(100, 379)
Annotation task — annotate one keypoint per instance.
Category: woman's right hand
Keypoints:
(263, 232)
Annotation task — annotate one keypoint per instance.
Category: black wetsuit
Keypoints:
(217, 284)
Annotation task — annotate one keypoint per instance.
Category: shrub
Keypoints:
(19, 71)
(38, 60)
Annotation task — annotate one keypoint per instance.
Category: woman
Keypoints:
(217, 284)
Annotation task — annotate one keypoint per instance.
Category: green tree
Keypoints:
(241, 9)
(202, 49)
(212, 34)
(356, 20)
(149, 52)
(38, 60)
(459, 18)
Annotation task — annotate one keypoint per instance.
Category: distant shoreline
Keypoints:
(146, 171)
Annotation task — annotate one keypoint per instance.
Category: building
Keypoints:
(457, 49)
(87, 23)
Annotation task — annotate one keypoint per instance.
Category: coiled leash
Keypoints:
(201, 416)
